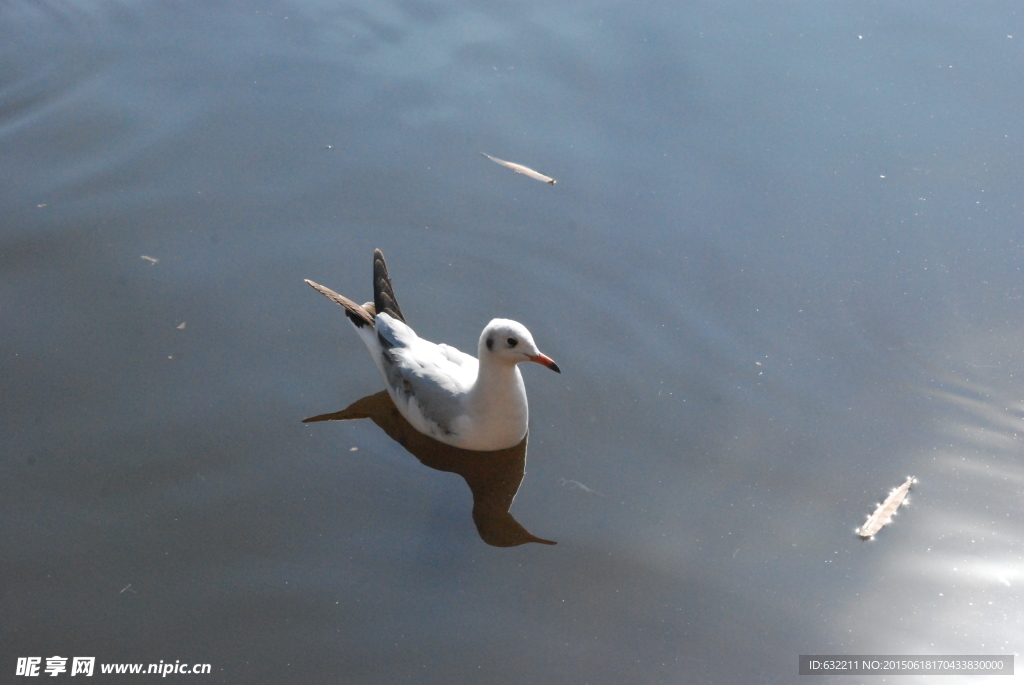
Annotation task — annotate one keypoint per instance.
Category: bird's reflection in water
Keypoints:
(493, 477)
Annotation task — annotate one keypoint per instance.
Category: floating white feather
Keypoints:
(883, 514)
(520, 169)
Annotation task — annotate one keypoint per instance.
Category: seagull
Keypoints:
(444, 393)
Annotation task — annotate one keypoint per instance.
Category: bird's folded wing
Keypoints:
(430, 381)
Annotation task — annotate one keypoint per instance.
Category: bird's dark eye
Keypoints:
(490, 343)
(512, 342)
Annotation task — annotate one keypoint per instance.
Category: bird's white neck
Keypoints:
(498, 400)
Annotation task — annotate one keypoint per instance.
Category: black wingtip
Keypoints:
(384, 299)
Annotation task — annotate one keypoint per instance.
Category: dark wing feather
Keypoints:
(356, 314)
(384, 300)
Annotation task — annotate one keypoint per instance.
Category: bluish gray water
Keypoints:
(781, 271)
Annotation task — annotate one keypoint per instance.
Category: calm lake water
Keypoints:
(781, 271)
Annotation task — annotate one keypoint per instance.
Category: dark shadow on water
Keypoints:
(493, 477)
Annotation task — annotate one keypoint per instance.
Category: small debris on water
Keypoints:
(151, 260)
(129, 588)
(41, 206)
(520, 169)
(886, 510)
(353, 449)
(575, 483)
(182, 326)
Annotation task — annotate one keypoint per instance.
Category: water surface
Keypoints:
(780, 271)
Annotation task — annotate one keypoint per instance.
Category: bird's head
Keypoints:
(508, 341)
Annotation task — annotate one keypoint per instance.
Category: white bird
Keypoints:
(442, 392)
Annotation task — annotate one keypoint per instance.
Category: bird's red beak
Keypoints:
(546, 361)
